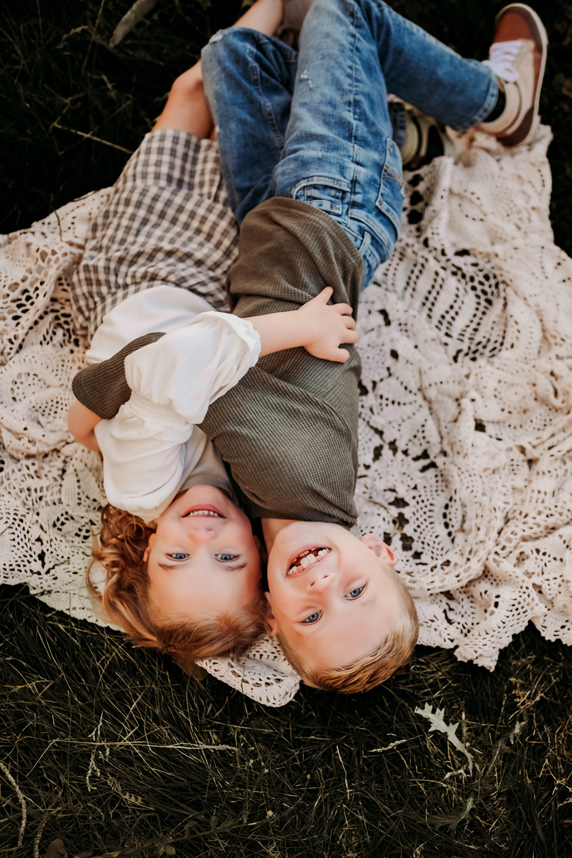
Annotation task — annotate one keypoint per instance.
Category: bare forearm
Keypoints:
(81, 423)
(279, 331)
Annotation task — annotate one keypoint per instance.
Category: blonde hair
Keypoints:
(119, 547)
(371, 670)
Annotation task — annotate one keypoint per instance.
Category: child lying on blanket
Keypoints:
(216, 610)
(161, 468)
(325, 158)
(342, 615)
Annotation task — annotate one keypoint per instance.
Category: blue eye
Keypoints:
(178, 555)
(226, 558)
(313, 618)
(357, 591)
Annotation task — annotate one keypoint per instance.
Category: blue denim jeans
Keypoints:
(316, 126)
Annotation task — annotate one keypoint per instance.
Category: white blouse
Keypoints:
(153, 448)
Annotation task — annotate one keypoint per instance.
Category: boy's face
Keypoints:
(333, 605)
(203, 559)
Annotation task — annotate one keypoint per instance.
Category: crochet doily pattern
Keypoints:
(465, 428)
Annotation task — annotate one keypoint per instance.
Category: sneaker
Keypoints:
(518, 58)
(425, 139)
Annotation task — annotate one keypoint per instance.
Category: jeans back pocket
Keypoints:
(325, 193)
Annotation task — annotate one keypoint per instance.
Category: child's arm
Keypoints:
(81, 423)
(169, 384)
(188, 368)
(317, 326)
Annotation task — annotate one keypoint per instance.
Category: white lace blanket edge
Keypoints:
(465, 430)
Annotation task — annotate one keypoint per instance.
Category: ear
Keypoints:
(379, 548)
(270, 622)
(149, 547)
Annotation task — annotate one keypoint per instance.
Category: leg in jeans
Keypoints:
(187, 108)
(249, 79)
(337, 152)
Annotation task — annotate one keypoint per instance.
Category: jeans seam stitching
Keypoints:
(271, 118)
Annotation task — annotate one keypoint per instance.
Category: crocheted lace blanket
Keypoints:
(465, 430)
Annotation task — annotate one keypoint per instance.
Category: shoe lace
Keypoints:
(501, 59)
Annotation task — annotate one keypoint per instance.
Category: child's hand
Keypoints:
(317, 326)
(324, 327)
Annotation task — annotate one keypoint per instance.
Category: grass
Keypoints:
(110, 751)
(116, 752)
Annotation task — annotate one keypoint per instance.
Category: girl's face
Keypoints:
(203, 560)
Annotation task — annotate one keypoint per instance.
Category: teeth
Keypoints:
(306, 558)
(203, 512)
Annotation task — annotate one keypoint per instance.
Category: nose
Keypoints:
(320, 583)
(202, 532)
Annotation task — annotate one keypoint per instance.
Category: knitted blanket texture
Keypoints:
(465, 425)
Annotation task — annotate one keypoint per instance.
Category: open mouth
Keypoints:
(306, 558)
(207, 511)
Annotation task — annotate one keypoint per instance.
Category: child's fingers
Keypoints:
(325, 295)
(340, 355)
(351, 337)
(343, 309)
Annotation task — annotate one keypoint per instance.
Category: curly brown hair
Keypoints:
(120, 548)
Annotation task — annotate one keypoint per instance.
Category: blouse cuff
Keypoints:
(150, 413)
(242, 327)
